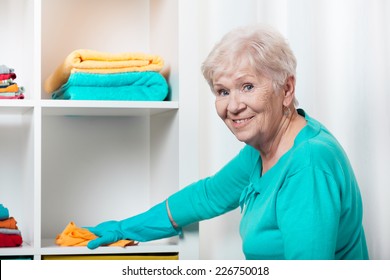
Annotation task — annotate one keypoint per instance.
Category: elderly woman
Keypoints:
(297, 191)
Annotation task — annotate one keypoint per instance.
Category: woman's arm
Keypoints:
(213, 195)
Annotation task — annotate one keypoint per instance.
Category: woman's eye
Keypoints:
(248, 87)
(222, 92)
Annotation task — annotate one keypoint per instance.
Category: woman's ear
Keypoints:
(289, 91)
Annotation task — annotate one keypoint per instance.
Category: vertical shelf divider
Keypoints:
(188, 122)
(37, 128)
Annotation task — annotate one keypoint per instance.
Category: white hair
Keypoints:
(264, 48)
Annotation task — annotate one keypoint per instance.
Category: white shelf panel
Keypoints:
(24, 250)
(168, 245)
(105, 108)
(14, 107)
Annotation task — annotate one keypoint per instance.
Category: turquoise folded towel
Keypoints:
(4, 213)
(130, 86)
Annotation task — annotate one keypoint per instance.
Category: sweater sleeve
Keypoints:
(308, 214)
(215, 195)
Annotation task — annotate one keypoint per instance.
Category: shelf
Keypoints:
(15, 107)
(105, 108)
(95, 160)
(168, 245)
(88, 108)
(24, 250)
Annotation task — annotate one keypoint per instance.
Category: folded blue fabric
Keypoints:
(4, 213)
(130, 86)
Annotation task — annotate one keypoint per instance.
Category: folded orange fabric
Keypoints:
(73, 235)
(91, 61)
(11, 88)
(8, 223)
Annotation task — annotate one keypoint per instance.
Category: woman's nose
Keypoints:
(235, 103)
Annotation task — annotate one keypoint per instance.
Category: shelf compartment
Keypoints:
(17, 48)
(17, 167)
(98, 168)
(105, 108)
(146, 26)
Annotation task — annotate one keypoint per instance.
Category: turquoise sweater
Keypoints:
(307, 206)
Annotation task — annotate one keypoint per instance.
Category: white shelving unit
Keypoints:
(91, 161)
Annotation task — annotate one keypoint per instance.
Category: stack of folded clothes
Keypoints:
(93, 75)
(8, 88)
(10, 235)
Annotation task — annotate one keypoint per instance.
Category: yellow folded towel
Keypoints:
(91, 61)
(11, 88)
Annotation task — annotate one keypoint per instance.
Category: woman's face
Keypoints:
(249, 106)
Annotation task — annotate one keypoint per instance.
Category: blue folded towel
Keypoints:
(130, 86)
(4, 213)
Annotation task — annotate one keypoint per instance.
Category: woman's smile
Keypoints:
(241, 122)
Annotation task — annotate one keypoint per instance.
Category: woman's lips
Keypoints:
(237, 123)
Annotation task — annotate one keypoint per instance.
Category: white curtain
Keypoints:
(343, 53)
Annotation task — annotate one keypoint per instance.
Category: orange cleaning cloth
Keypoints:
(73, 235)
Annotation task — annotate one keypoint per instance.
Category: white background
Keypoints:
(343, 53)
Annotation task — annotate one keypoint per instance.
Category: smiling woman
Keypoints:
(252, 75)
(298, 194)
(252, 109)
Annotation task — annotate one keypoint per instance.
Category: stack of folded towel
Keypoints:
(8, 88)
(93, 75)
(10, 235)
